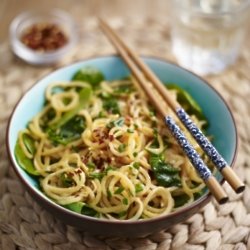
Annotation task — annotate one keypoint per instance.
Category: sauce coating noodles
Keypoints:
(108, 155)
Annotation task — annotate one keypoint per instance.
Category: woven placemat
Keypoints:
(26, 225)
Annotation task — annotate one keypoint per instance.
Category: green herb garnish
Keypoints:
(165, 174)
(180, 200)
(122, 147)
(136, 165)
(119, 190)
(90, 75)
(138, 187)
(125, 201)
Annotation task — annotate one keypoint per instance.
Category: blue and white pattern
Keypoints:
(193, 156)
(205, 144)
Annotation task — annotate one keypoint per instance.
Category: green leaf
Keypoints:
(68, 132)
(155, 143)
(130, 130)
(90, 75)
(165, 180)
(165, 174)
(84, 97)
(109, 193)
(122, 147)
(154, 159)
(91, 165)
(100, 175)
(136, 165)
(125, 201)
(24, 162)
(96, 175)
(138, 187)
(70, 126)
(180, 200)
(122, 214)
(81, 208)
(108, 168)
(111, 105)
(119, 190)
(48, 116)
(135, 154)
(187, 102)
(86, 210)
(163, 167)
(29, 143)
(116, 123)
(119, 122)
(197, 195)
(76, 207)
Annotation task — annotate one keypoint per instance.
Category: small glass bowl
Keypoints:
(25, 20)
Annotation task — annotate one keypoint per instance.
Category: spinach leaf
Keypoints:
(24, 162)
(187, 102)
(86, 210)
(70, 126)
(29, 143)
(68, 132)
(82, 208)
(111, 105)
(167, 180)
(76, 206)
(199, 194)
(84, 97)
(165, 174)
(48, 116)
(180, 200)
(90, 75)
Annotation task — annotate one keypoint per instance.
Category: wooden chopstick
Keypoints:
(193, 156)
(205, 144)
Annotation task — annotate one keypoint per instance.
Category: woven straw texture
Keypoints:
(26, 225)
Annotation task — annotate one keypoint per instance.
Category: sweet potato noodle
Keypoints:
(102, 151)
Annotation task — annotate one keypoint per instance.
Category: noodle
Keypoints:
(114, 156)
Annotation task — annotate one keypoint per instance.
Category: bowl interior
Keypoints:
(221, 122)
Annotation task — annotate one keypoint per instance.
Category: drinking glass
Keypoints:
(207, 34)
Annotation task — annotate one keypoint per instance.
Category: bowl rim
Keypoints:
(202, 200)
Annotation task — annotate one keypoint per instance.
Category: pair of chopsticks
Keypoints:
(144, 75)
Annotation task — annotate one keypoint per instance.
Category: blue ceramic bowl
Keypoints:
(222, 127)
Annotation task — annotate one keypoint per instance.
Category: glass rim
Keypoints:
(243, 7)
